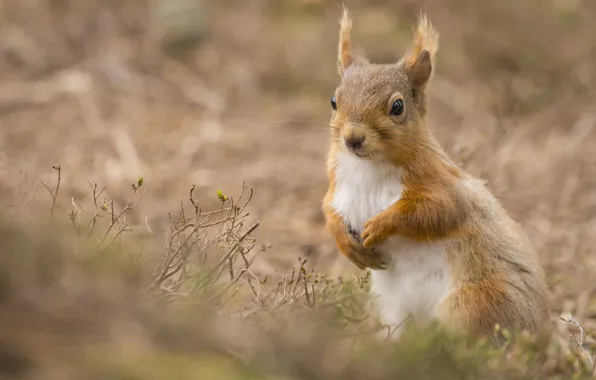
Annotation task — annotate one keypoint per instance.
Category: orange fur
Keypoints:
(429, 208)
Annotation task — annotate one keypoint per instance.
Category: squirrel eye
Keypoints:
(397, 108)
(334, 103)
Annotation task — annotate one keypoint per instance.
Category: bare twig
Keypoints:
(147, 225)
(130, 205)
(54, 193)
(580, 342)
(193, 235)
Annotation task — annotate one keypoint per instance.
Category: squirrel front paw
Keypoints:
(376, 231)
(359, 255)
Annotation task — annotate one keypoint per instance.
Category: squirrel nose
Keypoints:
(354, 142)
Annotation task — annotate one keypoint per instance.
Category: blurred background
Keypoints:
(214, 93)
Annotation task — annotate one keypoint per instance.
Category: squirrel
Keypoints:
(439, 245)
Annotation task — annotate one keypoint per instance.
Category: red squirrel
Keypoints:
(439, 245)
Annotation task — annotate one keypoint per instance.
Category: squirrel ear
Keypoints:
(419, 60)
(420, 72)
(345, 58)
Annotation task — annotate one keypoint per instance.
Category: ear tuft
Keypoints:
(419, 59)
(345, 58)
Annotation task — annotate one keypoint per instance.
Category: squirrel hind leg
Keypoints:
(478, 308)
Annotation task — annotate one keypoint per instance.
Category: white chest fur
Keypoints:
(418, 277)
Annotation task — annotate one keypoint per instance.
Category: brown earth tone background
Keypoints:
(218, 92)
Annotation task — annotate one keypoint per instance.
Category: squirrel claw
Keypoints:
(364, 257)
(374, 233)
(369, 239)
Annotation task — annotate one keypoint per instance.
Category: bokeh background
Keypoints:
(214, 93)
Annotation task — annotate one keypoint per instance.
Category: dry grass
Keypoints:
(111, 91)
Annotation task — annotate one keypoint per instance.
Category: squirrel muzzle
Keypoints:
(354, 136)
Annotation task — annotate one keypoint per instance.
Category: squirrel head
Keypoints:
(379, 110)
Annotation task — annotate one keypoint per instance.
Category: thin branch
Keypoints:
(115, 218)
(54, 193)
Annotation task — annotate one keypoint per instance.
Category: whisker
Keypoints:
(291, 121)
(309, 138)
(268, 122)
